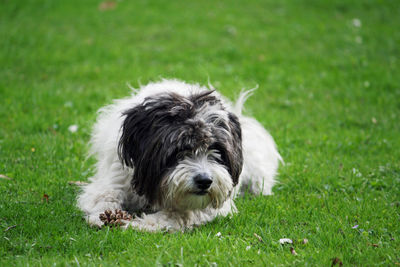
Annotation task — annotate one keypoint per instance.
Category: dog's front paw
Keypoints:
(140, 225)
(156, 222)
(94, 220)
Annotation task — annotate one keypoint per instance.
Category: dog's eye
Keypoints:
(173, 158)
(218, 153)
(181, 155)
(214, 155)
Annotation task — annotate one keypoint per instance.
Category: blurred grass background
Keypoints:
(329, 88)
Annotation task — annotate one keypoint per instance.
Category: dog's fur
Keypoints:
(177, 154)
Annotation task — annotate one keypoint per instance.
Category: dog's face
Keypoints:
(186, 151)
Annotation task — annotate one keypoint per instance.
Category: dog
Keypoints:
(176, 154)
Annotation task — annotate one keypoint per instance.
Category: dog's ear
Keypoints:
(128, 147)
(143, 126)
(229, 145)
(234, 156)
(139, 147)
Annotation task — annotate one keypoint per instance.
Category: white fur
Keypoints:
(110, 186)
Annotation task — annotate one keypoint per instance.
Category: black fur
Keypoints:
(159, 132)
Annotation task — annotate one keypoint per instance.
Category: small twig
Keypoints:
(10, 227)
(258, 237)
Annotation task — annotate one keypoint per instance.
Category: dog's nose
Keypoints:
(202, 181)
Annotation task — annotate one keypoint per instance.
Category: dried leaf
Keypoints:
(336, 261)
(293, 251)
(107, 5)
(51, 129)
(2, 176)
(78, 183)
(45, 198)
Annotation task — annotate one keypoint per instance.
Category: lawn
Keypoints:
(329, 92)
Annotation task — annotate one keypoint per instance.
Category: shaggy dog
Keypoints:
(177, 154)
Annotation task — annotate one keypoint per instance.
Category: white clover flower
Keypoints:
(73, 128)
(285, 241)
(356, 23)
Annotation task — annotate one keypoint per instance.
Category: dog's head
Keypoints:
(186, 151)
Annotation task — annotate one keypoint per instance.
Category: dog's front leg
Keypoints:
(97, 204)
(107, 191)
(172, 221)
(160, 221)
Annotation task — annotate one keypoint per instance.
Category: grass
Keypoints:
(329, 77)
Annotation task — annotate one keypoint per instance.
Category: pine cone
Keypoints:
(115, 218)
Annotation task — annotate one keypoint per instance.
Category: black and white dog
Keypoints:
(178, 154)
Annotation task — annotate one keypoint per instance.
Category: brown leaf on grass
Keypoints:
(51, 129)
(336, 261)
(45, 198)
(293, 251)
(107, 5)
(258, 237)
(374, 245)
(2, 176)
(78, 183)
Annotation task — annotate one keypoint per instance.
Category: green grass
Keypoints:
(329, 94)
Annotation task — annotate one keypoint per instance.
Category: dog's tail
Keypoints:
(243, 96)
